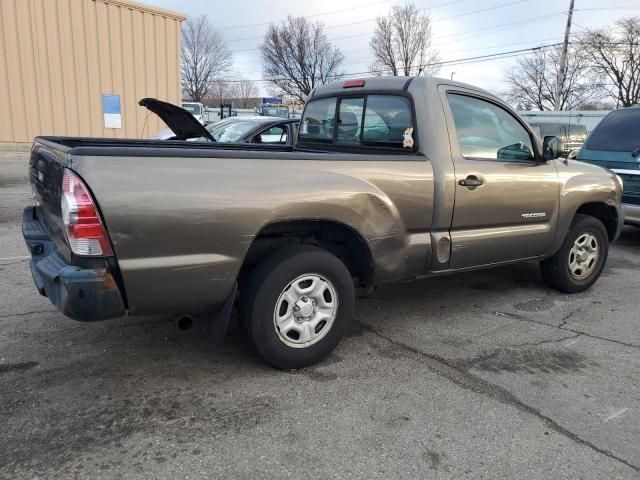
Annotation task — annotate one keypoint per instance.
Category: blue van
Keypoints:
(615, 144)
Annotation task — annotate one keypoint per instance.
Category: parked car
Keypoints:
(615, 144)
(257, 129)
(572, 135)
(391, 178)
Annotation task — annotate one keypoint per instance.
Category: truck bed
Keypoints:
(182, 215)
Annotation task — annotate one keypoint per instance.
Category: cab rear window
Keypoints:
(368, 120)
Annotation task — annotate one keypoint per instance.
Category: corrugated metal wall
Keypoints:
(59, 57)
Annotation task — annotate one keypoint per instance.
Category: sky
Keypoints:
(461, 29)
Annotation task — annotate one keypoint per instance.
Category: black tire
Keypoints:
(555, 270)
(263, 288)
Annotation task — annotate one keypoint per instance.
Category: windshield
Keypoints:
(192, 108)
(231, 132)
(275, 111)
(617, 132)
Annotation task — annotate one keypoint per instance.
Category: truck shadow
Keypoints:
(630, 237)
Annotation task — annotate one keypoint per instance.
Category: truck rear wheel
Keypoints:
(297, 305)
(581, 259)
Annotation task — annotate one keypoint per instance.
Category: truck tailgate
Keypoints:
(82, 287)
(46, 168)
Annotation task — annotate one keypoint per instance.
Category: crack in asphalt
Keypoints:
(562, 327)
(476, 384)
(481, 358)
(544, 342)
(27, 313)
(8, 263)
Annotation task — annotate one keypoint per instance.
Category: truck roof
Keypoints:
(389, 84)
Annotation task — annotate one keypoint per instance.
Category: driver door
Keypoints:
(506, 200)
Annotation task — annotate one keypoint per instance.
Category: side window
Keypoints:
(350, 120)
(273, 135)
(387, 121)
(486, 131)
(318, 122)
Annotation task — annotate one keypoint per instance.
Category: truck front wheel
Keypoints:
(296, 306)
(581, 259)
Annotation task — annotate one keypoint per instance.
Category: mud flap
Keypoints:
(217, 328)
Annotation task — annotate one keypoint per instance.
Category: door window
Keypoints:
(486, 131)
(273, 136)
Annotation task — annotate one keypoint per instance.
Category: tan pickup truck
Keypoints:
(390, 179)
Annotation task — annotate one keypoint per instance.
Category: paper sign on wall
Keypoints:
(111, 111)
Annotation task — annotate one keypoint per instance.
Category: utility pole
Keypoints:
(563, 57)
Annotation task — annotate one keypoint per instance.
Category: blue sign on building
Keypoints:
(112, 111)
(271, 101)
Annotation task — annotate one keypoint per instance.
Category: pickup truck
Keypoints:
(391, 179)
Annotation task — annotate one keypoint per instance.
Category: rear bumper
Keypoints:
(84, 294)
(631, 213)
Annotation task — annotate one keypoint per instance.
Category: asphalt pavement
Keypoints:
(487, 374)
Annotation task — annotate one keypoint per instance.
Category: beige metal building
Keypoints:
(79, 67)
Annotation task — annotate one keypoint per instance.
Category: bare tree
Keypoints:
(205, 57)
(297, 56)
(615, 54)
(533, 80)
(401, 43)
(221, 92)
(244, 94)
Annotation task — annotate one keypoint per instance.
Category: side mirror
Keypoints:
(551, 147)
(573, 154)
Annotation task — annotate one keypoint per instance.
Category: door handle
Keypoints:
(471, 182)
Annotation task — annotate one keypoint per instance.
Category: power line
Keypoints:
(619, 7)
(495, 7)
(363, 60)
(311, 16)
(481, 10)
(459, 61)
(491, 28)
(359, 22)
(500, 26)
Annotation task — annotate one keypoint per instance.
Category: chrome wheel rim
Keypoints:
(305, 311)
(583, 256)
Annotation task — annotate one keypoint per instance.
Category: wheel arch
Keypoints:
(342, 240)
(607, 214)
(603, 208)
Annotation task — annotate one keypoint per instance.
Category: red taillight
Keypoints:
(353, 83)
(84, 228)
